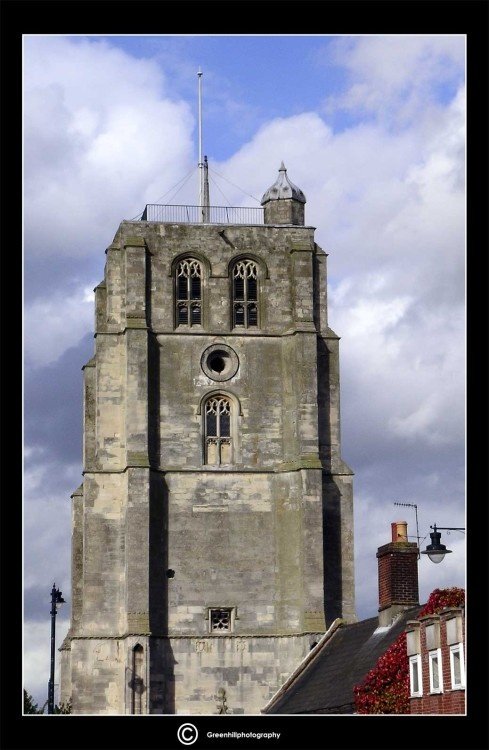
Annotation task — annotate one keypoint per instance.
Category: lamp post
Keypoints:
(436, 551)
(56, 599)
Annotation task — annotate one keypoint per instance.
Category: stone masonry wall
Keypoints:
(249, 669)
(248, 535)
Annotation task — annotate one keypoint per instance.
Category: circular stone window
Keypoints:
(219, 362)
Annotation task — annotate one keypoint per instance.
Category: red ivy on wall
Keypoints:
(385, 689)
(442, 598)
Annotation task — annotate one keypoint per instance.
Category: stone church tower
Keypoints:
(213, 533)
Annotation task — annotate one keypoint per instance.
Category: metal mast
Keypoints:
(205, 208)
(203, 173)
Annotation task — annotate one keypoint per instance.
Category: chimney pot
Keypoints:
(399, 531)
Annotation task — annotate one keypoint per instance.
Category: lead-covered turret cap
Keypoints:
(283, 189)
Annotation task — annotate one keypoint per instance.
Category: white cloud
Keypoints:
(411, 365)
(102, 138)
(47, 514)
(33, 452)
(53, 325)
(396, 77)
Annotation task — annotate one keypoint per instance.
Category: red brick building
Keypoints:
(436, 652)
(324, 682)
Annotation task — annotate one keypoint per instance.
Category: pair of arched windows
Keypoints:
(189, 293)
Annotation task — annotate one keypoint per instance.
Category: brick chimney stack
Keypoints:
(398, 574)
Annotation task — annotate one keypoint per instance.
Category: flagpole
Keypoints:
(201, 163)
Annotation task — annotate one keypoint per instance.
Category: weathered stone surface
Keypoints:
(159, 536)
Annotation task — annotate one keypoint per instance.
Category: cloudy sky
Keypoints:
(372, 128)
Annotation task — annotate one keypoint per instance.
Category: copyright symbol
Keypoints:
(187, 734)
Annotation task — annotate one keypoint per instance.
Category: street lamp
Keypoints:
(56, 599)
(437, 551)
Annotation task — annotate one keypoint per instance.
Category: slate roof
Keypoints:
(282, 189)
(326, 684)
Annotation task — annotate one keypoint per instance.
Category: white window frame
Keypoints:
(415, 663)
(460, 648)
(432, 655)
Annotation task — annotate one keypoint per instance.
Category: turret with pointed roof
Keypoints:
(283, 201)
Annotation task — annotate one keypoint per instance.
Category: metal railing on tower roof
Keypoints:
(202, 214)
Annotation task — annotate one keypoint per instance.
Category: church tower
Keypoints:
(212, 537)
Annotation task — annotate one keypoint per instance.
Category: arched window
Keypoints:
(245, 294)
(137, 682)
(188, 292)
(218, 440)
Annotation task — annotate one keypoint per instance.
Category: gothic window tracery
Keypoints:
(188, 292)
(218, 439)
(220, 620)
(245, 294)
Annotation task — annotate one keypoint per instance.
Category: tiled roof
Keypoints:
(326, 684)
